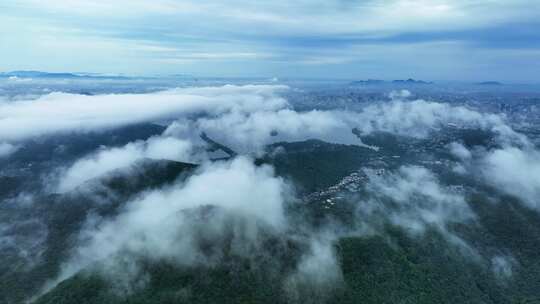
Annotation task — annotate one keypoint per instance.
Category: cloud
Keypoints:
(515, 171)
(503, 266)
(63, 113)
(318, 273)
(413, 198)
(108, 159)
(158, 225)
(239, 201)
(15, 78)
(108, 37)
(420, 118)
(459, 151)
(7, 149)
(401, 94)
(510, 168)
(23, 236)
(244, 118)
(335, 17)
(225, 209)
(248, 117)
(249, 130)
(17, 246)
(247, 201)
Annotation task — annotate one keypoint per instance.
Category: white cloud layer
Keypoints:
(245, 117)
(106, 160)
(249, 131)
(61, 112)
(414, 199)
(158, 225)
(514, 171)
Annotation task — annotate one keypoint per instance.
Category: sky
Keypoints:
(471, 40)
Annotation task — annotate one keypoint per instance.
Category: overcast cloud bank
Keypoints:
(335, 38)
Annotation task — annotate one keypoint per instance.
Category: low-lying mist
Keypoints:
(235, 207)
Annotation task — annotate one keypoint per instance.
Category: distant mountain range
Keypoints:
(489, 83)
(410, 81)
(65, 75)
(398, 81)
(39, 74)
